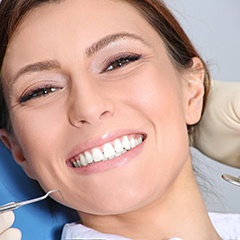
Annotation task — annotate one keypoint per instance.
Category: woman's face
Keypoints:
(86, 81)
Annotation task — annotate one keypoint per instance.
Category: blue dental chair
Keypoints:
(39, 221)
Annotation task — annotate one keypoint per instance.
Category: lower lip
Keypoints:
(107, 165)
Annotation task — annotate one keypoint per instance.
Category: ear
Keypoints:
(12, 144)
(194, 91)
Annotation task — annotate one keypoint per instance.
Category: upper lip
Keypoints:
(99, 141)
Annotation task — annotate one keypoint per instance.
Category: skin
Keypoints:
(153, 187)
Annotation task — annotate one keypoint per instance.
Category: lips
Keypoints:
(107, 151)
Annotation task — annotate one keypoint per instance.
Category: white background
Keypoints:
(214, 28)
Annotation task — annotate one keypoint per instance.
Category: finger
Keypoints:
(11, 234)
(6, 221)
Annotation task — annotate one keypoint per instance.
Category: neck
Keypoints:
(179, 213)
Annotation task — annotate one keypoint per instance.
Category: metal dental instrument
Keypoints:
(14, 205)
(233, 180)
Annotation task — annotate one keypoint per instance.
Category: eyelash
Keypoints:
(39, 92)
(121, 61)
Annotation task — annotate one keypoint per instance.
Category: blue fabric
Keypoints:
(38, 221)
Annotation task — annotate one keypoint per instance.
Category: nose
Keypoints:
(89, 104)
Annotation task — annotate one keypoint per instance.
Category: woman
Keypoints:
(99, 99)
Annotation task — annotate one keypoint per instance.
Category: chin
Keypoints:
(119, 205)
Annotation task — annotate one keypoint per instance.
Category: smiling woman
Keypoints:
(111, 91)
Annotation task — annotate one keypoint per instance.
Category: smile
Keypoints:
(107, 152)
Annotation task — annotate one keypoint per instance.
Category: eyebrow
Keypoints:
(36, 67)
(94, 48)
(107, 40)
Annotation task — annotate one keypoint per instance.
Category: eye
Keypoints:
(39, 92)
(121, 61)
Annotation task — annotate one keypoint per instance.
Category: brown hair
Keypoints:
(180, 48)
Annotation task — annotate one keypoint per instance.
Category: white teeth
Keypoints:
(88, 157)
(132, 143)
(126, 143)
(109, 151)
(83, 160)
(75, 164)
(140, 140)
(97, 155)
(79, 163)
(118, 146)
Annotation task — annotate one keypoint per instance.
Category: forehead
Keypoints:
(87, 16)
(69, 27)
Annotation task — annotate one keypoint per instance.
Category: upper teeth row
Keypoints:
(109, 151)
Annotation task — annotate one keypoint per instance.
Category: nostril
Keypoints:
(83, 121)
(105, 114)
(77, 122)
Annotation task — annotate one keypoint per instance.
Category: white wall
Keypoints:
(214, 28)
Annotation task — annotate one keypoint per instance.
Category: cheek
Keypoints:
(37, 131)
(160, 103)
(156, 95)
(39, 137)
